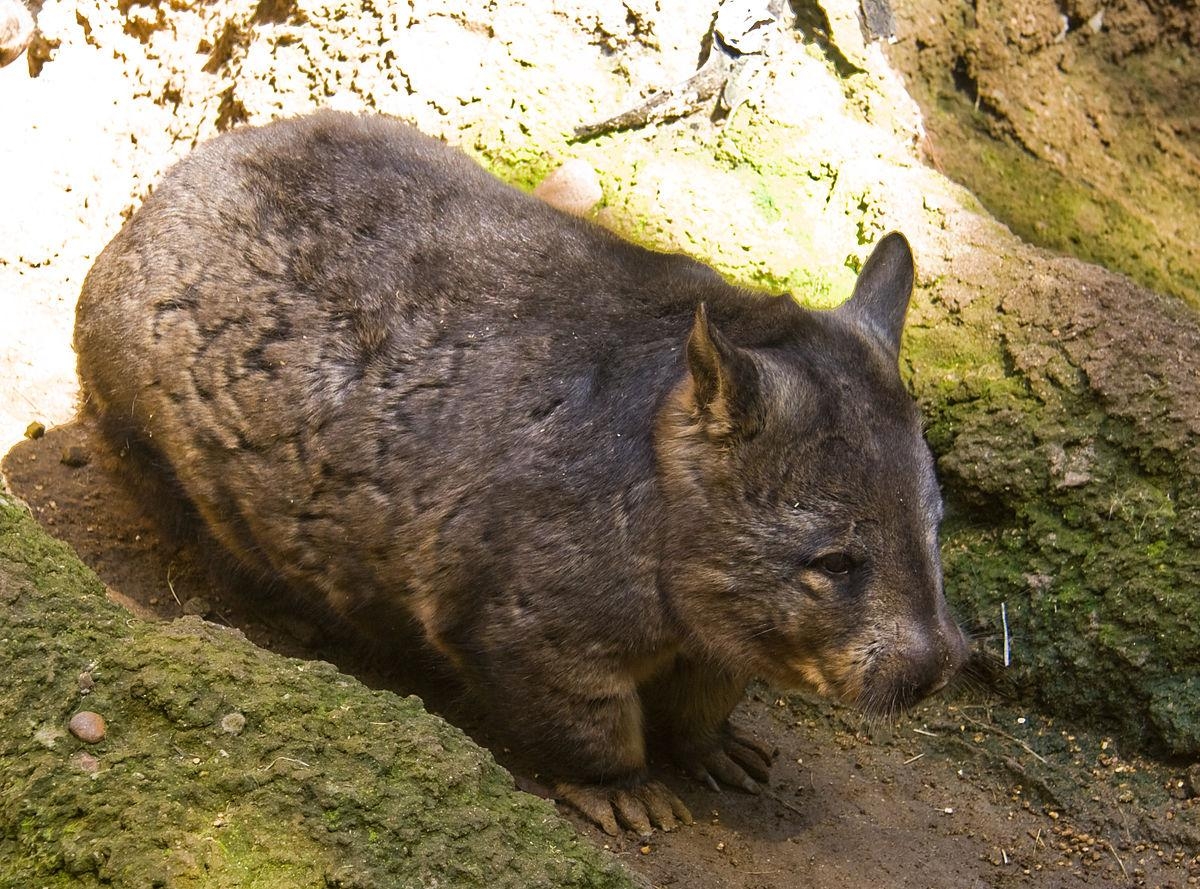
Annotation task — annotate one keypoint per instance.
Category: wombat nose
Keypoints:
(952, 650)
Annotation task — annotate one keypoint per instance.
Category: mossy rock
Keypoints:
(225, 765)
(1065, 413)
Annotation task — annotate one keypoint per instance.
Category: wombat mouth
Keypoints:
(867, 689)
(808, 675)
(884, 697)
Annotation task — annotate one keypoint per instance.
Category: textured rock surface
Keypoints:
(1072, 122)
(1065, 410)
(225, 765)
(16, 30)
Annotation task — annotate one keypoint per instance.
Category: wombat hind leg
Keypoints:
(139, 469)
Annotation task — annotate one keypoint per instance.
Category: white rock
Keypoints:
(16, 30)
(573, 188)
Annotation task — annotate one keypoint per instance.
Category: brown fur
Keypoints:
(607, 485)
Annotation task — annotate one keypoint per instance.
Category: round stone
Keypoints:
(573, 188)
(87, 726)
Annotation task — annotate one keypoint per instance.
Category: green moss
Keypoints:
(959, 364)
(325, 783)
(1056, 515)
(1044, 206)
(745, 204)
(522, 165)
(765, 202)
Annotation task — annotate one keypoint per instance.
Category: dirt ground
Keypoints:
(966, 791)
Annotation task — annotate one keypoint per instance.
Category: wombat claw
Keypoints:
(639, 809)
(741, 761)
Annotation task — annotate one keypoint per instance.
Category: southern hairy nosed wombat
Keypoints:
(608, 485)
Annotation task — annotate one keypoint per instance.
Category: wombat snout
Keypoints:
(933, 657)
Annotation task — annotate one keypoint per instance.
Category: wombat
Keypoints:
(608, 486)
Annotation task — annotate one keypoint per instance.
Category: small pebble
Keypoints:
(573, 188)
(1193, 780)
(197, 605)
(87, 726)
(233, 723)
(85, 762)
(74, 456)
(35, 430)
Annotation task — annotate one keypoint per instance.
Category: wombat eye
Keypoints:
(833, 563)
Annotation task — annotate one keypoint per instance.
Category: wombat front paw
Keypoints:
(740, 760)
(640, 808)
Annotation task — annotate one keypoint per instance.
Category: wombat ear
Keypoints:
(880, 297)
(725, 383)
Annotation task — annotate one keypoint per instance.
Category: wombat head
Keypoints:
(804, 509)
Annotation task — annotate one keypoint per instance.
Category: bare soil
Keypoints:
(966, 791)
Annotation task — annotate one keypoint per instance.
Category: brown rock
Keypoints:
(87, 726)
(85, 762)
(1193, 780)
(198, 606)
(573, 188)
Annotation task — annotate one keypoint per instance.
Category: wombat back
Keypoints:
(336, 328)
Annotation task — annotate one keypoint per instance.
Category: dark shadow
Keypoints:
(157, 561)
(812, 21)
